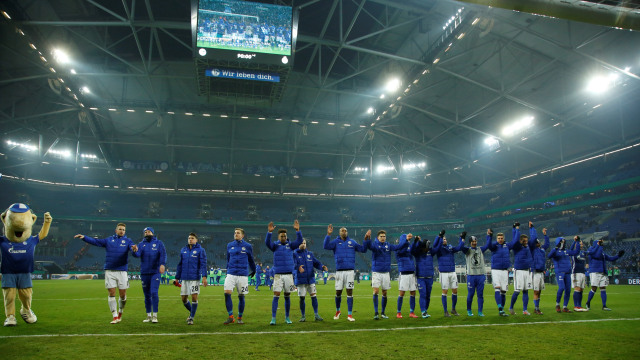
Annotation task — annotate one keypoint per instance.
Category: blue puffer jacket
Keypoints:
(578, 261)
(239, 258)
(344, 251)
(539, 253)
(562, 258)
(500, 259)
(152, 254)
(424, 259)
(446, 261)
(192, 264)
(522, 258)
(598, 259)
(117, 251)
(381, 253)
(406, 265)
(283, 253)
(308, 262)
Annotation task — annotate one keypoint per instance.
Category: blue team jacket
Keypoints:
(239, 257)
(283, 253)
(500, 259)
(117, 251)
(598, 259)
(579, 260)
(192, 264)
(344, 251)
(381, 253)
(404, 258)
(562, 258)
(424, 259)
(446, 261)
(17, 258)
(522, 258)
(308, 262)
(539, 254)
(152, 254)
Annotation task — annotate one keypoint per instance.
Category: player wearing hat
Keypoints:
(153, 258)
(562, 263)
(116, 264)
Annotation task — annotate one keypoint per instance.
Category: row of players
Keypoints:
(415, 262)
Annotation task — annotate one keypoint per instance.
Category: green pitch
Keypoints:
(73, 323)
(271, 50)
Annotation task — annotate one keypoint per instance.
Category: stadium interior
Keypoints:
(412, 116)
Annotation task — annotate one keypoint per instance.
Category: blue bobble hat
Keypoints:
(19, 208)
(150, 229)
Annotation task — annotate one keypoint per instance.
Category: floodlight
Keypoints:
(61, 56)
(393, 85)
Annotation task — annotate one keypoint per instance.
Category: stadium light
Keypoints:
(413, 166)
(600, 84)
(381, 169)
(393, 85)
(60, 56)
(22, 145)
(370, 110)
(85, 90)
(61, 153)
(491, 141)
(518, 126)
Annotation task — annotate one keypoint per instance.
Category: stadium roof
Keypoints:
(134, 107)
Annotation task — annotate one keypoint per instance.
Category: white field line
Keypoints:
(317, 331)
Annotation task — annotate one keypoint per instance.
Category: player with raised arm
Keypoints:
(597, 272)
(562, 263)
(447, 269)
(191, 267)
(523, 260)
(305, 261)
(283, 264)
(423, 253)
(381, 266)
(578, 278)
(500, 264)
(116, 265)
(407, 279)
(538, 251)
(475, 272)
(239, 257)
(344, 253)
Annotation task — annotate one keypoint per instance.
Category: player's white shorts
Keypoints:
(522, 280)
(240, 283)
(283, 282)
(344, 279)
(500, 279)
(407, 282)
(303, 289)
(381, 280)
(116, 279)
(190, 287)
(538, 281)
(578, 280)
(598, 279)
(448, 280)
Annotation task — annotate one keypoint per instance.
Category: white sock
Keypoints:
(112, 305)
(122, 303)
(155, 315)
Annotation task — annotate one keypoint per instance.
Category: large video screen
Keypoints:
(244, 31)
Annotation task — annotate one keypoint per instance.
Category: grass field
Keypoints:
(73, 323)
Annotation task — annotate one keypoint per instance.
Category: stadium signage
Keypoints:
(242, 74)
(635, 281)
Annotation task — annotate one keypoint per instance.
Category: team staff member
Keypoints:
(344, 253)
(239, 257)
(562, 262)
(423, 253)
(116, 264)
(191, 267)
(153, 259)
(475, 273)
